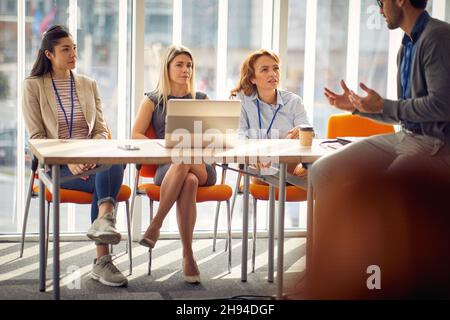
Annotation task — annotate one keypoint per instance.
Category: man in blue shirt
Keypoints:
(423, 108)
(370, 218)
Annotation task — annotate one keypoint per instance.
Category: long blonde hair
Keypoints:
(248, 72)
(162, 90)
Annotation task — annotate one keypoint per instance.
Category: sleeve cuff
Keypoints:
(390, 109)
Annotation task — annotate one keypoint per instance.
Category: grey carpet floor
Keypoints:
(19, 277)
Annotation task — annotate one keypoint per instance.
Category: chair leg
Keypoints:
(47, 237)
(229, 234)
(27, 209)
(150, 249)
(128, 245)
(216, 220)
(233, 201)
(254, 234)
(134, 194)
(235, 192)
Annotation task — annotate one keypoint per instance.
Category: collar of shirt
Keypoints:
(417, 30)
(280, 102)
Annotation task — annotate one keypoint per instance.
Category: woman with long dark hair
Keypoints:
(59, 104)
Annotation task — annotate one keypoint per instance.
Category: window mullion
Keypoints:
(310, 57)
(222, 45)
(20, 160)
(354, 23)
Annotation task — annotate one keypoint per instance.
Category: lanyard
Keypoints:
(271, 122)
(70, 127)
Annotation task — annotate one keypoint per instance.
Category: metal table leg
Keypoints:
(271, 232)
(55, 195)
(42, 256)
(309, 225)
(281, 203)
(245, 227)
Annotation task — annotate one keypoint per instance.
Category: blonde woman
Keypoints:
(268, 112)
(179, 182)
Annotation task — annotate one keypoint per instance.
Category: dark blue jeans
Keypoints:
(103, 185)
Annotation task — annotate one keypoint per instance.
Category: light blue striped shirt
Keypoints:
(291, 114)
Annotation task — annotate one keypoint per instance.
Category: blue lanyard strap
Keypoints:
(271, 122)
(70, 127)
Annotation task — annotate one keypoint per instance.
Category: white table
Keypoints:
(53, 153)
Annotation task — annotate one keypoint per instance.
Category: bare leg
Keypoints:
(105, 207)
(102, 250)
(186, 217)
(170, 192)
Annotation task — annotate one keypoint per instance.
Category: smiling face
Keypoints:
(64, 55)
(180, 69)
(392, 13)
(267, 73)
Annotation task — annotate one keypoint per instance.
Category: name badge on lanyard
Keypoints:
(271, 122)
(69, 126)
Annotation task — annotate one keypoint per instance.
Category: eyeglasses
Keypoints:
(380, 3)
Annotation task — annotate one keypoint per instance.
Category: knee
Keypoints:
(322, 169)
(180, 167)
(190, 183)
(117, 170)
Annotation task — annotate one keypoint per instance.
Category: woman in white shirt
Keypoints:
(268, 112)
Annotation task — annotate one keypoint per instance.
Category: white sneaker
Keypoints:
(103, 230)
(106, 272)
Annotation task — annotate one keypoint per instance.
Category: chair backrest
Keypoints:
(348, 125)
(148, 170)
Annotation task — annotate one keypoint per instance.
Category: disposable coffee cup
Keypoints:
(306, 136)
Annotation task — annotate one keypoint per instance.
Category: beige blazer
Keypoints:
(41, 113)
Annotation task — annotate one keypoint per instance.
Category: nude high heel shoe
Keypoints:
(149, 241)
(192, 279)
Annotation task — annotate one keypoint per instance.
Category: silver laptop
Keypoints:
(202, 123)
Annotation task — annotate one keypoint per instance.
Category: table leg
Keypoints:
(281, 203)
(42, 256)
(55, 198)
(245, 226)
(309, 225)
(271, 243)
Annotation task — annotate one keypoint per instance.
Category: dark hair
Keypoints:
(50, 39)
(419, 4)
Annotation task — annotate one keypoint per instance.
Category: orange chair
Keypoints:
(348, 125)
(220, 192)
(72, 196)
(261, 192)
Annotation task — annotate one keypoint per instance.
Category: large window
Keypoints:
(331, 55)
(104, 54)
(8, 119)
(200, 36)
(296, 46)
(97, 42)
(374, 48)
(158, 36)
(40, 15)
(244, 35)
